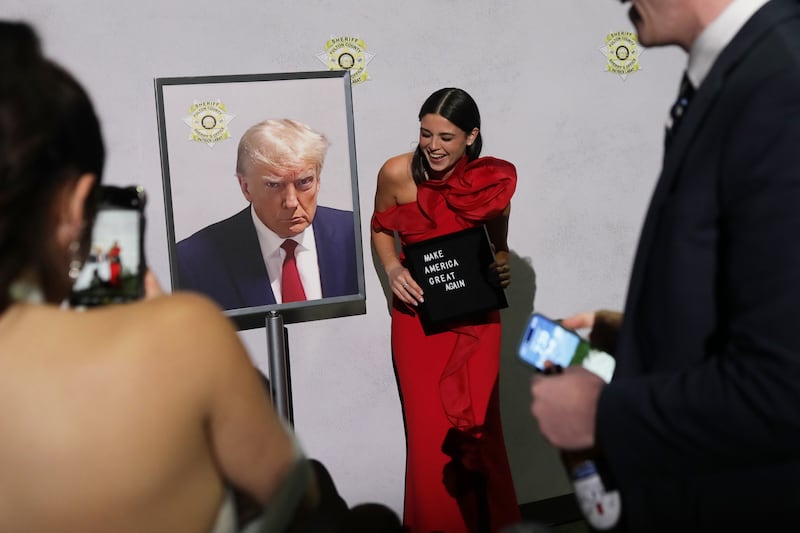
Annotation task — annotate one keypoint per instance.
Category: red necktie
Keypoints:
(291, 286)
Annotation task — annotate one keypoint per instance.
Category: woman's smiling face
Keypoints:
(443, 143)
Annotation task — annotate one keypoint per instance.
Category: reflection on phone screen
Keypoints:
(545, 340)
(111, 271)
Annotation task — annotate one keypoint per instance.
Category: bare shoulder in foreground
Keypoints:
(131, 418)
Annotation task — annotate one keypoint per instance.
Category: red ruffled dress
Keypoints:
(449, 380)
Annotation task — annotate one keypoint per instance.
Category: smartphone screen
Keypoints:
(114, 269)
(546, 340)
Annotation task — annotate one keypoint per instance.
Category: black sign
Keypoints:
(453, 271)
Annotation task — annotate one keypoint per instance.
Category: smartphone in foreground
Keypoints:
(547, 345)
(114, 269)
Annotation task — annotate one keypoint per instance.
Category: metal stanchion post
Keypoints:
(279, 376)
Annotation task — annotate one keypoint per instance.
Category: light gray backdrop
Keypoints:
(586, 143)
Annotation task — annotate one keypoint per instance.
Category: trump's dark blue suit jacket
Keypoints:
(224, 260)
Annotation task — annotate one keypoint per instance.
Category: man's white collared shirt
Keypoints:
(305, 257)
(707, 47)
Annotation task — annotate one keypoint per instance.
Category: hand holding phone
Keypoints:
(115, 267)
(548, 346)
(152, 287)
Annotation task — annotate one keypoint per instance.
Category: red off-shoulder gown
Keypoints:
(449, 379)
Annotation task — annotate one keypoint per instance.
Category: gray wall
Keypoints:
(587, 145)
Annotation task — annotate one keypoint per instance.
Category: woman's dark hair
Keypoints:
(459, 108)
(49, 137)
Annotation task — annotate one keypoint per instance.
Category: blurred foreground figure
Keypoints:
(699, 427)
(150, 432)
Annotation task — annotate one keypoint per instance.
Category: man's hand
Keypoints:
(565, 406)
(604, 324)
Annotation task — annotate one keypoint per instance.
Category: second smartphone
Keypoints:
(114, 269)
(547, 344)
(545, 340)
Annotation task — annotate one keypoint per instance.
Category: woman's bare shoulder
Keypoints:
(178, 322)
(178, 306)
(396, 169)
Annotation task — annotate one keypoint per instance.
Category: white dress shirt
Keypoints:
(707, 47)
(305, 257)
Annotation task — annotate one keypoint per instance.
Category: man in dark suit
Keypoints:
(241, 261)
(700, 426)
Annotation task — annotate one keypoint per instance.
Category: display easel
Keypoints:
(278, 358)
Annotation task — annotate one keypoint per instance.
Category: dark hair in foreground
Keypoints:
(459, 108)
(49, 137)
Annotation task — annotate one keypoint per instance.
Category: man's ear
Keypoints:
(472, 136)
(73, 202)
(243, 186)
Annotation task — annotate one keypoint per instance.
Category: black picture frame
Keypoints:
(198, 153)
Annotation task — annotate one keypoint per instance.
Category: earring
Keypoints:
(75, 262)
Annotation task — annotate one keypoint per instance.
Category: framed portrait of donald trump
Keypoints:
(261, 193)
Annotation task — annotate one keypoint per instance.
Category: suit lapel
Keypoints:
(326, 251)
(705, 97)
(246, 264)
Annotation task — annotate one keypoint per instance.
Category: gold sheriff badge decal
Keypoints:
(208, 121)
(622, 53)
(347, 53)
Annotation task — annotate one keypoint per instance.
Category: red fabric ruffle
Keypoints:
(475, 192)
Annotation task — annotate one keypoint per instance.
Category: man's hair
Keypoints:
(282, 144)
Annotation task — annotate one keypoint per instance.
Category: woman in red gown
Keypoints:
(457, 472)
(115, 265)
